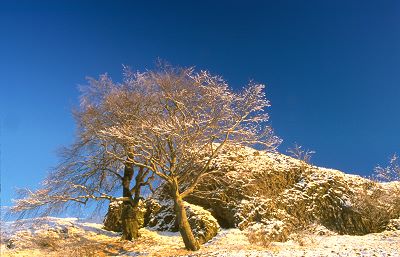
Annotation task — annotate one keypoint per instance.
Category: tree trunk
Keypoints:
(130, 226)
(190, 241)
(129, 216)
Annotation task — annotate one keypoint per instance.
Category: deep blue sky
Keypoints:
(332, 69)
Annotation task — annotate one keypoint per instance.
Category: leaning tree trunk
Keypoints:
(190, 241)
(130, 208)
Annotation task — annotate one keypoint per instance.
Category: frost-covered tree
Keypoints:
(196, 116)
(298, 152)
(96, 168)
(391, 172)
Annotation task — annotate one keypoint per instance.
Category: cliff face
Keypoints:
(278, 194)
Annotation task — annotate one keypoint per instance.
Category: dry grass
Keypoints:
(378, 205)
(260, 238)
(303, 238)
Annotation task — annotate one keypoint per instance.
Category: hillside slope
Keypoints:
(55, 237)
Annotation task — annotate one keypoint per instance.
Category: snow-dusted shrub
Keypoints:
(378, 205)
(303, 238)
(306, 235)
(47, 240)
(270, 231)
(389, 173)
(320, 230)
(277, 231)
(299, 153)
(259, 237)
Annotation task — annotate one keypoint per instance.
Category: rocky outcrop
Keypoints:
(160, 215)
(252, 187)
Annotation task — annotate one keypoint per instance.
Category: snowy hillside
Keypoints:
(71, 237)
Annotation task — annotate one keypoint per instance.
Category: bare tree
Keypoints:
(391, 172)
(179, 137)
(298, 152)
(95, 167)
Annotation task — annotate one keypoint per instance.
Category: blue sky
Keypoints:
(332, 69)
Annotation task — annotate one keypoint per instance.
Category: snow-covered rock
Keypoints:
(112, 220)
(161, 217)
(250, 186)
(394, 224)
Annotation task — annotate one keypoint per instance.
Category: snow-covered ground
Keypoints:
(72, 237)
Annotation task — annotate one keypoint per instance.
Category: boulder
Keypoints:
(161, 216)
(112, 220)
(271, 231)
